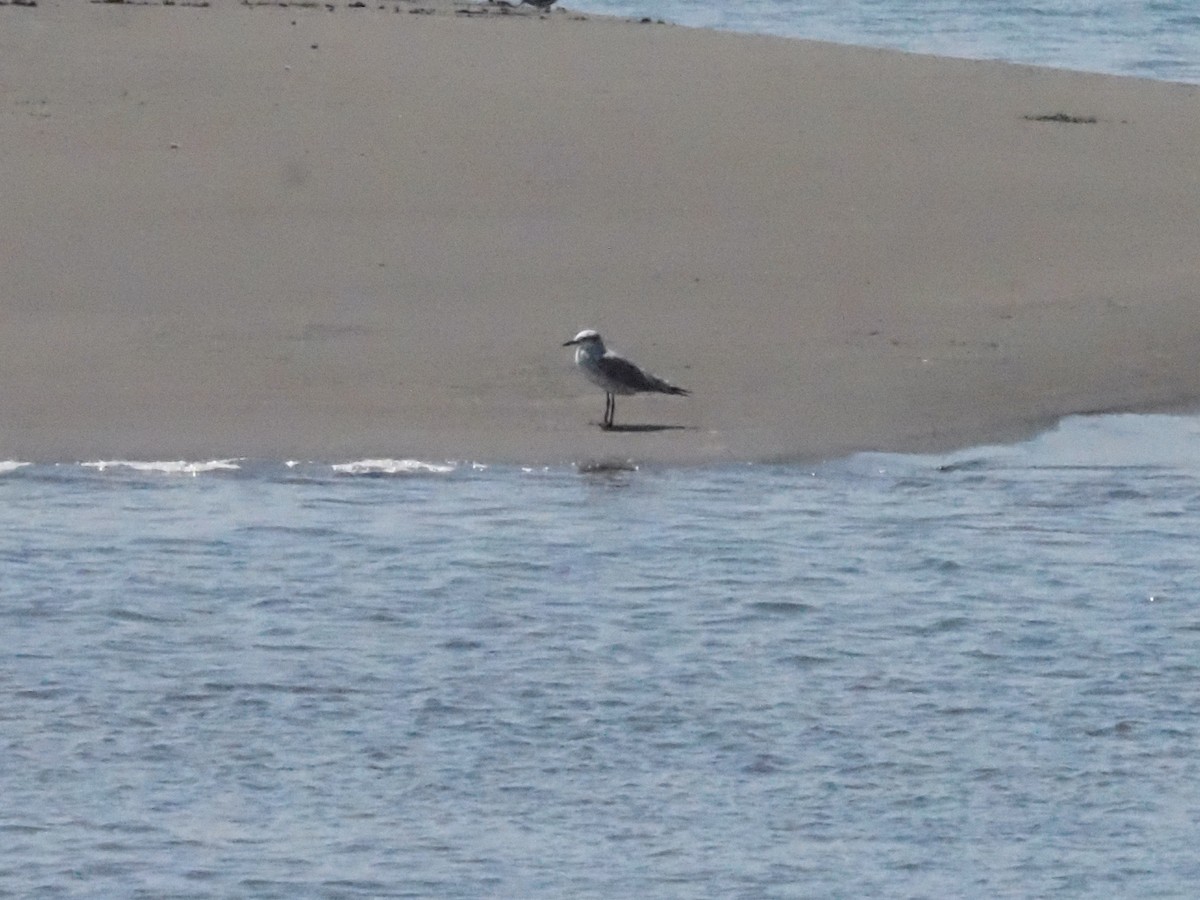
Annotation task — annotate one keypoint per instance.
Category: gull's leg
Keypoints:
(610, 408)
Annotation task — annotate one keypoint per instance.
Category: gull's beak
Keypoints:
(570, 343)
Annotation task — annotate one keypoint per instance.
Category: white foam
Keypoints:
(11, 465)
(392, 467)
(165, 467)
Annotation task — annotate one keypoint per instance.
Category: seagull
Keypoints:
(614, 373)
(543, 5)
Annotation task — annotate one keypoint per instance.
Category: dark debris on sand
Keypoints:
(1061, 117)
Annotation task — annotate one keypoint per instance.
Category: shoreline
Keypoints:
(1059, 434)
(280, 232)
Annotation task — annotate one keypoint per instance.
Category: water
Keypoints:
(973, 674)
(1159, 40)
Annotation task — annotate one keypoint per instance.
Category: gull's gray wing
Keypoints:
(626, 377)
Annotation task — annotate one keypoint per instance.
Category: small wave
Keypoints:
(166, 467)
(11, 465)
(392, 467)
(605, 466)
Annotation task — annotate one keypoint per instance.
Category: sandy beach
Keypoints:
(331, 231)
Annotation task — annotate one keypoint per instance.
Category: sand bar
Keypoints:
(295, 231)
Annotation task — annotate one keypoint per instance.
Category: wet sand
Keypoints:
(285, 231)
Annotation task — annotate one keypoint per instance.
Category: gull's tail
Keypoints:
(664, 387)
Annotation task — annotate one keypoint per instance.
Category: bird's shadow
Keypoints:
(641, 429)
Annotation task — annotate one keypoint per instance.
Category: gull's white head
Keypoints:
(585, 338)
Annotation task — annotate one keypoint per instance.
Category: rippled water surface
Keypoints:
(905, 676)
(1150, 40)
